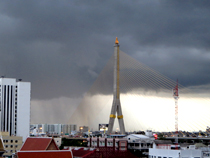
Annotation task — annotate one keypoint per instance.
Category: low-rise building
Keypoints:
(139, 142)
(39, 143)
(42, 147)
(117, 143)
(12, 144)
(165, 149)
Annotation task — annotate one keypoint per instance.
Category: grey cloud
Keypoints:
(61, 46)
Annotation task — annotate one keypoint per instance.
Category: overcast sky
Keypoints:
(61, 46)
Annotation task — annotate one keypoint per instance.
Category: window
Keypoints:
(11, 141)
(6, 146)
(11, 146)
(6, 141)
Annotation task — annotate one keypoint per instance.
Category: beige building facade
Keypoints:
(12, 144)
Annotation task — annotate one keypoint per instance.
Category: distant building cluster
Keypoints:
(60, 129)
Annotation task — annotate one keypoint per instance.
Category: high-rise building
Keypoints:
(68, 128)
(73, 127)
(15, 99)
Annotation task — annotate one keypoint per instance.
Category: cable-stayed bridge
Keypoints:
(146, 99)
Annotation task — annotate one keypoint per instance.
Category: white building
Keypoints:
(15, 107)
(165, 149)
(140, 142)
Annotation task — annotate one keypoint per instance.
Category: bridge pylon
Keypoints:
(116, 105)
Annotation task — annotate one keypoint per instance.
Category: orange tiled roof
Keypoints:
(45, 154)
(38, 143)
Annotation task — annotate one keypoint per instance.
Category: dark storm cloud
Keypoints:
(61, 46)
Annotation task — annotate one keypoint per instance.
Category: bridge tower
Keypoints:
(116, 106)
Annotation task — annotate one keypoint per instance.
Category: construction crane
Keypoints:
(176, 97)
